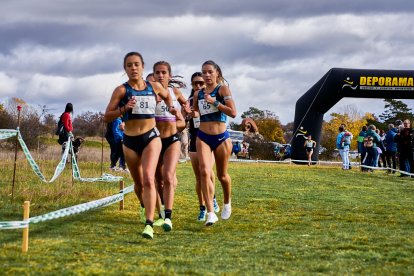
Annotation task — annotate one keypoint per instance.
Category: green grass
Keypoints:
(90, 142)
(287, 219)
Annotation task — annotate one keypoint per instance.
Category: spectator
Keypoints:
(381, 149)
(65, 127)
(371, 141)
(391, 146)
(361, 148)
(404, 139)
(236, 148)
(117, 152)
(109, 136)
(245, 149)
(67, 118)
(343, 144)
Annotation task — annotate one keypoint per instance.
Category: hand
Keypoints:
(209, 99)
(186, 108)
(172, 110)
(130, 104)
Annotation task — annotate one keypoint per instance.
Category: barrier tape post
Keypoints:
(102, 144)
(121, 188)
(19, 108)
(26, 211)
(71, 165)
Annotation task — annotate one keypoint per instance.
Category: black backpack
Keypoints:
(61, 132)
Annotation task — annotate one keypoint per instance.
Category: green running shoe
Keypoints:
(148, 232)
(159, 222)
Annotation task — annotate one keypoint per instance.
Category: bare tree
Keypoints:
(30, 125)
(88, 124)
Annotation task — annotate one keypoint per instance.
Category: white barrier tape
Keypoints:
(59, 169)
(289, 161)
(127, 190)
(106, 177)
(78, 208)
(13, 224)
(256, 161)
(386, 169)
(69, 211)
(30, 159)
(7, 133)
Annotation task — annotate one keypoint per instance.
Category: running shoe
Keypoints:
(143, 215)
(167, 225)
(212, 218)
(202, 215)
(216, 206)
(226, 213)
(159, 222)
(148, 232)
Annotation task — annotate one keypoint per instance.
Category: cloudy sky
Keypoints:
(270, 51)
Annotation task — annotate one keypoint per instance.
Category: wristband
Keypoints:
(216, 103)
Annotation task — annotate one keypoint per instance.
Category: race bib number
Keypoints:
(144, 105)
(163, 110)
(206, 108)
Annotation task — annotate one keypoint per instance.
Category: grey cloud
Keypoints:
(79, 41)
(263, 8)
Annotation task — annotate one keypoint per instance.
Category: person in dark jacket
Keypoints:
(391, 146)
(67, 118)
(371, 140)
(381, 149)
(116, 149)
(404, 139)
(361, 148)
(236, 148)
(66, 122)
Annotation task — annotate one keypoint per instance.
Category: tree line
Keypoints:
(38, 122)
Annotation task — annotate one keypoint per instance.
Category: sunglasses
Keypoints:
(200, 83)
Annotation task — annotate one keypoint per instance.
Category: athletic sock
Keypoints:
(142, 205)
(168, 213)
(202, 208)
(149, 222)
(159, 215)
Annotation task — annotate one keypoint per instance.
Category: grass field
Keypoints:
(287, 219)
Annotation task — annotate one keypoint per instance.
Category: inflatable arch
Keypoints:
(339, 83)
